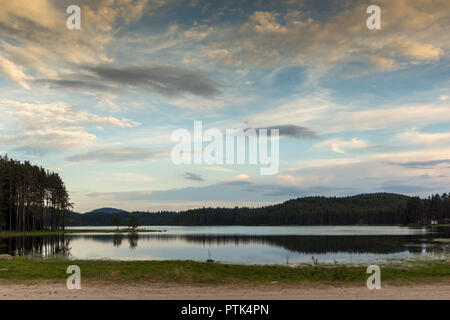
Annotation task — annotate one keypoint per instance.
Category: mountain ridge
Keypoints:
(108, 210)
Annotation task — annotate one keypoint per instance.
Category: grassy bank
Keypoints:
(60, 232)
(189, 272)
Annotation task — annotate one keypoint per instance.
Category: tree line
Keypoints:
(435, 208)
(371, 209)
(31, 197)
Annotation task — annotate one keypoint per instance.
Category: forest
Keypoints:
(370, 209)
(31, 197)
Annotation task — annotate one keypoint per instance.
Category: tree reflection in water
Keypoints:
(133, 238)
(44, 246)
(117, 241)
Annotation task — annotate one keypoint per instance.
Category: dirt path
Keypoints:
(160, 291)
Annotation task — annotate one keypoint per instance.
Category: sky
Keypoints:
(358, 110)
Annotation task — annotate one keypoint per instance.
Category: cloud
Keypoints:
(329, 177)
(227, 191)
(61, 115)
(266, 23)
(339, 145)
(422, 164)
(293, 131)
(415, 50)
(130, 177)
(120, 154)
(42, 128)
(14, 72)
(165, 80)
(193, 176)
(41, 42)
(415, 137)
(287, 179)
(72, 84)
(393, 172)
(49, 140)
(406, 188)
(412, 32)
(321, 114)
(218, 169)
(240, 177)
(381, 118)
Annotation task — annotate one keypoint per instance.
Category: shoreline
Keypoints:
(7, 234)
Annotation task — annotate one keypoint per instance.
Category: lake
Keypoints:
(244, 245)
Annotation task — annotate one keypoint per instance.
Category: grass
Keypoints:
(22, 269)
(60, 232)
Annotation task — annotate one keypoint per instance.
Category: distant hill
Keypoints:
(108, 210)
(373, 208)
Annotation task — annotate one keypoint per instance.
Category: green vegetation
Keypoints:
(34, 269)
(31, 198)
(364, 209)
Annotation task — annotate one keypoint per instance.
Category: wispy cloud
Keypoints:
(423, 164)
(14, 72)
(414, 137)
(119, 154)
(226, 191)
(339, 146)
(165, 80)
(41, 128)
(293, 131)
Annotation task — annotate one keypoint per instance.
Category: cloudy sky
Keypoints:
(359, 110)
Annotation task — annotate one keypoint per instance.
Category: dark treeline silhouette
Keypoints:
(31, 198)
(377, 208)
(435, 208)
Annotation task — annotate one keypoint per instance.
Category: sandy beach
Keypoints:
(163, 291)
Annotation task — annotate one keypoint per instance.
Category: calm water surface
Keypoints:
(245, 245)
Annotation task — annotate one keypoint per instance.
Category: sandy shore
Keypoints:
(160, 291)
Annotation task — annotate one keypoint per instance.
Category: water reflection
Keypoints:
(133, 240)
(117, 240)
(235, 248)
(300, 244)
(45, 246)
